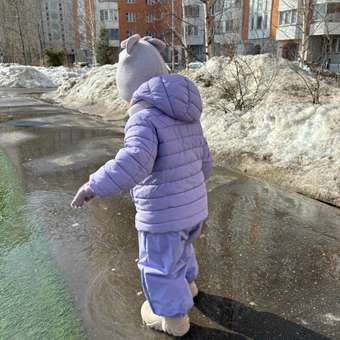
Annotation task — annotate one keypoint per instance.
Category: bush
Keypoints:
(54, 57)
(242, 85)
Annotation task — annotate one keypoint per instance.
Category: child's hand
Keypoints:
(84, 194)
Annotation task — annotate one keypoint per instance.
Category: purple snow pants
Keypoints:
(168, 264)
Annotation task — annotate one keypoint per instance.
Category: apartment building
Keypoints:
(316, 26)
(262, 19)
(321, 33)
(58, 25)
(193, 29)
(228, 20)
(245, 26)
(107, 17)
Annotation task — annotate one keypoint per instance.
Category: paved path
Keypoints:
(270, 260)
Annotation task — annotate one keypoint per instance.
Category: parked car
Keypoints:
(81, 64)
(195, 65)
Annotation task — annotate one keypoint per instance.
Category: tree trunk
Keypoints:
(307, 18)
(209, 28)
(21, 36)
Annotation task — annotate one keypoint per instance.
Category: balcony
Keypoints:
(326, 20)
(288, 32)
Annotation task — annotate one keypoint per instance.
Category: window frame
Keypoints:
(131, 16)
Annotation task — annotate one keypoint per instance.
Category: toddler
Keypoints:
(165, 161)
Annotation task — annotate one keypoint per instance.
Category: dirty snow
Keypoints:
(95, 93)
(61, 74)
(13, 75)
(285, 138)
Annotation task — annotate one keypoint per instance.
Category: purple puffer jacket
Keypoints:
(165, 158)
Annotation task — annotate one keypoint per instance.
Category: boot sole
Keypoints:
(157, 326)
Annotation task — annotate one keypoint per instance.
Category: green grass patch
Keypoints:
(34, 303)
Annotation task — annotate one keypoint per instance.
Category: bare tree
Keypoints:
(85, 26)
(216, 19)
(20, 31)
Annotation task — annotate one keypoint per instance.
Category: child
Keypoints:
(165, 161)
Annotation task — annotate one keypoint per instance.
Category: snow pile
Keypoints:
(95, 93)
(13, 75)
(285, 137)
(23, 76)
(61, 74)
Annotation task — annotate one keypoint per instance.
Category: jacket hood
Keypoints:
(173, 94)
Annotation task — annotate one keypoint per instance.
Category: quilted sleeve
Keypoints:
(133, 163)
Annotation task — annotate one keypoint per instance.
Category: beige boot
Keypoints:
(172, 326)
(194, 289)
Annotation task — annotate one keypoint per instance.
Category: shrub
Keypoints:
(54, 57)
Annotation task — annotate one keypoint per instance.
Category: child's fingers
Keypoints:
(77, 203)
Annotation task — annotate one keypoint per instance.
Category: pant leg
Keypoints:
(190, 254)
(192, 269)
(163, 265)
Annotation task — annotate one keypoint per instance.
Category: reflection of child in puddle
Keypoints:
(165, 161)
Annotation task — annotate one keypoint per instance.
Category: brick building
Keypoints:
(151, 17)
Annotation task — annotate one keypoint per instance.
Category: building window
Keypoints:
(192, 11)
(281, 18)
(259, 22)
(131, 17)
(130, 1)
(229, 25)
(113, 34)
(192, 30)
(104, 15)
(150, 2)
(252, 23)
(336, 44)
(221, 6)
(150, 34)
(265, 22)
(288, 17)
(219, 27)
(294, 16)
(319, 12)
(333, 12)
(130, 34)
(108, 15)
(113, 14)
(150, 18)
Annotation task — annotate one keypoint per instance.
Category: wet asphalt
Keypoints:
(269, 259)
